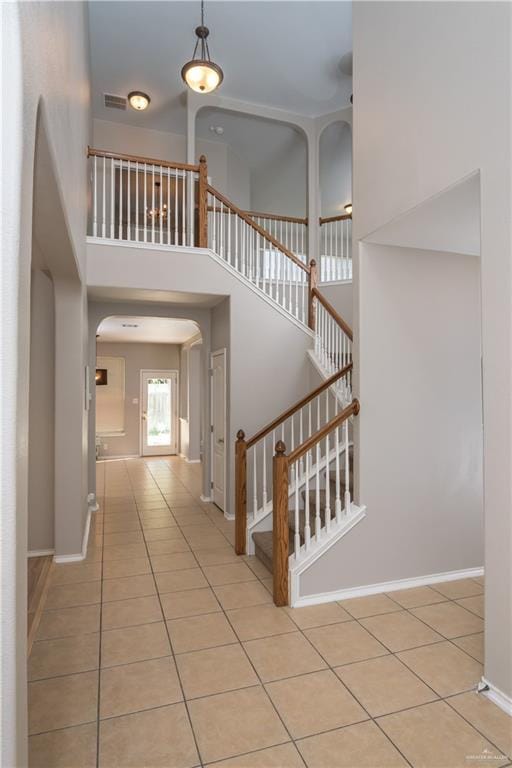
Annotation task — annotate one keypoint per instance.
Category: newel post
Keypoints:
(280, 532)
(313, 278)
(203, 202)
(240, 493)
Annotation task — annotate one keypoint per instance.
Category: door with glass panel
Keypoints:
(159, 412)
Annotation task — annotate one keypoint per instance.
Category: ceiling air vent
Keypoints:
(114, 102)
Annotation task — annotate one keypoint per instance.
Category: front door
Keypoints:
(158, 413)
(219, 427)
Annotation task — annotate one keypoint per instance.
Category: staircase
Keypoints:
(294, 478)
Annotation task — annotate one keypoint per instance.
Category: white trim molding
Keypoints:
(40, 552)
(502, 700)
(75, 558)
(206, 499)
(386, 586)
(92, 502)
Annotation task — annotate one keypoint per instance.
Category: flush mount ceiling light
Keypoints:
(348, 208)
(139, 100)
(201, 74)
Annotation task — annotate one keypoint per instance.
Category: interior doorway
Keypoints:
(218, 428)
(159, 412)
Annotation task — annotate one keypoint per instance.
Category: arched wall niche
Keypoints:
(335, 167)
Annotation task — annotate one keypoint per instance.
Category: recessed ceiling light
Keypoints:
(130, 325)
(139, 100)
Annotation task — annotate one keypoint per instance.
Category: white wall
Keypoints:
(335, 168)
(137, 357)
(280, 186)
(41, 71)
(420, 442)
(341, 296)
(418, 68)
(41, 445)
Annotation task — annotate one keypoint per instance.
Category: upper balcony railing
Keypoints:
(143, 200)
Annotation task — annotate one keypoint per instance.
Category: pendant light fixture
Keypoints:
(201, 74)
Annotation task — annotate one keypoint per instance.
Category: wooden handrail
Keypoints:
(330, 309)
(136, 159)
(278, 217)
(328, 219)
(310, 443)
(298, 405)
(280, 247)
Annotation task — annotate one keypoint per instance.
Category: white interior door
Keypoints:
(219, 428)
(159, 412)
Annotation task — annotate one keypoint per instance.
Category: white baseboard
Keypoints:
(76, 558)
(120, 456)
(502, 700)
(92, 503)
(386, 586)
(193, 461)
(206, 499)
(40, 552)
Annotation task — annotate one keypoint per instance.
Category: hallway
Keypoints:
(197, 666)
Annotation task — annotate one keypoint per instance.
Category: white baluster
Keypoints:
(296, 538)
(168, 206)
(337, 504)
(307, 527)
(264, 471)
(175, 206)
(120, 199)
(129, 203)
(103, 201)
(112, 198)
(183, 210)
(347, 470)
(95, 199)
(255, 484)
(327, 513)
(137, 201)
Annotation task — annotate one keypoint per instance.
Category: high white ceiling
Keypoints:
(148, 330)
(286, 54)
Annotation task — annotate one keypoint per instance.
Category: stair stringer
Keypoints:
(336, 390)
(316, 550)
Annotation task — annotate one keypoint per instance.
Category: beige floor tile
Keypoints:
(68, 622)
(460, 588)
(260, 621)
(283, 756)
(212, 541)
(256, 566)
(318, 615)
(233, 723)
(486, 717)
(156, 523)
(124, 537)
(94, 555)
(64, 656)
(443, 667)
(456, 743)
(176, 561)
(450, 619)
(384, 685)
(178, 581)
(70, 595)
(191, 602)
(124, 552)
(222, 556)
(142, 739)
(215, 670)
(164, 534)
(121, 525)
(372, 605)
(126, 613)
(399, 631)
(74, 747)
(122, 646)
(128, 587)
(268, 584)
(416, 596)
(283, 656)
(472, 644)
(242, 595)
(344, 643)
(74, 573)
(314, 703)
(142, 685)
(62, 701)
(198, 632)
(228, 574)
(473, 604)
(116, 569)
(168, 547)
(357, 746)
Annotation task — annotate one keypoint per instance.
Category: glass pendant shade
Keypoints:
(201, 74)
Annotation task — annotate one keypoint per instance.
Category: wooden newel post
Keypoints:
(280, 525)
(313, 279)
(240, 493)
(203, 202)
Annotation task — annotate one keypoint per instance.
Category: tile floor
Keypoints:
(164, 649)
